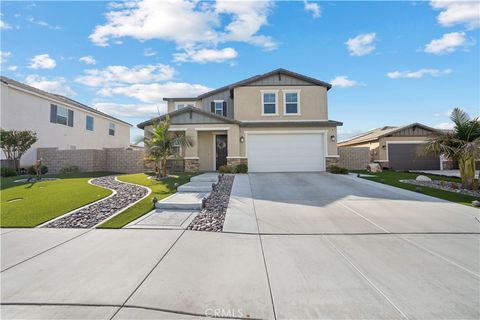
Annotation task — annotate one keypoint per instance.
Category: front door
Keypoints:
(220, 151)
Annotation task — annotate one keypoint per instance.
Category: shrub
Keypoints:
(8, 172)
(32, 170)
(69, 169)
(225, 169)
(338, 170)
(241, 168)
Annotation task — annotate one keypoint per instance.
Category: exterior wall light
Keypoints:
(332, 138)
(242, 139)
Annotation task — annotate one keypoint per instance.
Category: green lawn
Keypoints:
(31, 204)
(160, 189)
(392, 178)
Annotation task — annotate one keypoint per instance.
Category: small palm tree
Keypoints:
(161, 145)
(462, 144)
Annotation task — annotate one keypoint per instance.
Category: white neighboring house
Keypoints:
(58, 121)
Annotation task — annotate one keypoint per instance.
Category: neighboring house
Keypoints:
(59, 122)
(398, 148)
(274, 122)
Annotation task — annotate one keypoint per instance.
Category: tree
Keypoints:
(161, 144)
(15, 143)
(461, 144)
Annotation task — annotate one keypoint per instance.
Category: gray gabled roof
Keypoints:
(57, 97)
(184, 110)
(265, 75)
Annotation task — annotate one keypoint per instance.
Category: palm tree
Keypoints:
(161, 144)
(462, 144)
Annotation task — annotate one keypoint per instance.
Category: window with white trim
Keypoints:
(89, 123)
(111, 129)
(180, 105)
(62, 115)
(291, 101)
(219, 107)
(269, 103)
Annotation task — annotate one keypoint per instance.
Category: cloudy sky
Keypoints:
(390, 63)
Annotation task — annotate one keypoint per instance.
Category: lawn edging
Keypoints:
(149, 191)
(114, 192)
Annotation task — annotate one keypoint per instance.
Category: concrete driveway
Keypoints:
(324, 247)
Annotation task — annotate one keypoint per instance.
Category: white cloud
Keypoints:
(88, 60)
(206, 55)
(314, 8)
(418, 74)
(458, 12)
(148, 52)
(187, 23)
(117, 75)
(12, 68)
(155, 92)
(42, 23)
(448, 43)
(131, 110)
(42, 61)
(343, 82)
(4, 25)
(445, 126)
(57, 85)
(362, 44)
(446, 113)
(4, 55)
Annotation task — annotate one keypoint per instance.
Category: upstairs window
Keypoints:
(111, 129)
(61, 115)
(291, 102)
(89, 123)
(269, 103)
(180, 105)
(219, 107)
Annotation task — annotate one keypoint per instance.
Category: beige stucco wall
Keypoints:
(313, 103)
(25, 111)
(382, 152)
(205, 150)
(331, 145)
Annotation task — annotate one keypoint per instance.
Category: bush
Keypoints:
(241, 168)
(32, 170)
(225, 169)
(8, 172)
(69, 169)
(338, 170)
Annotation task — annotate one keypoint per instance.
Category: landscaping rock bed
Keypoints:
(211, 217)
(95, 213)
(444, 185)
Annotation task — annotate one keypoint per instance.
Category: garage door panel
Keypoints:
(286, 152)
(404, 156)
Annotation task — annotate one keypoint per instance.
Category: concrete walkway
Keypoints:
(355, 250)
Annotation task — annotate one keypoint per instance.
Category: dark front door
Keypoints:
(220, 151)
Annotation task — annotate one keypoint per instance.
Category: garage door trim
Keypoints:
(324, 132)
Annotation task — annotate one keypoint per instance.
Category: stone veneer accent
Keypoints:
(124, 160)
(192, 165)
(331, 161)
(354, 158)
(234, 161)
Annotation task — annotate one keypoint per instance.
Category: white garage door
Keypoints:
(286, 152)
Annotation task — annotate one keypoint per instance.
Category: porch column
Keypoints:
(233, 157)
(191, 153)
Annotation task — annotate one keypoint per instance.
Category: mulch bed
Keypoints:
(212, 217)
(444, 185)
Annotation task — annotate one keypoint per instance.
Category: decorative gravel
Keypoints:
(211, 218)
(444, 185)
(95, 213)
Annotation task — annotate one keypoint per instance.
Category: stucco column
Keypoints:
(234, 141)
(192, 163)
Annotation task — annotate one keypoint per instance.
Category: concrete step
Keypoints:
(206, 177)
(183, 201)
(159, 218)
(196, 186)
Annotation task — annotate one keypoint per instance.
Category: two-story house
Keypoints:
(274, 122)
(58, 121)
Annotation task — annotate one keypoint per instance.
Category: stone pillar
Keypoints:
(192, 164)
(331, 161)
(235, 161)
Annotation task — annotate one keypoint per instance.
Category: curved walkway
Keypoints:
(88, 216)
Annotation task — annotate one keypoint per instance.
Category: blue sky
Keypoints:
(391, 63)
